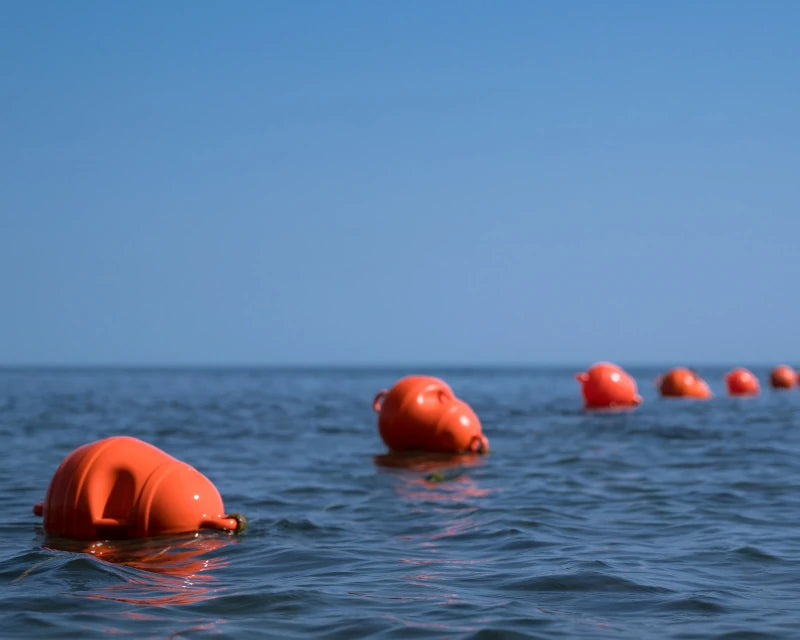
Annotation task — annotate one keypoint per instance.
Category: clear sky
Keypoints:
(363, 182)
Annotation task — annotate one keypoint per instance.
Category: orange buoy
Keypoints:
(782, 377)
(606, 385)
(741, 382)
(683, 383)
(122, 487)
(421, 413)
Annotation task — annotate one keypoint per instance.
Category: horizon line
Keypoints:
(376, 365)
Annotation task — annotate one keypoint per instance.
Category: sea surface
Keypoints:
(679, 519)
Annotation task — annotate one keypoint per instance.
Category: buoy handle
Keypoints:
(241, 521)
(377, 403)
(478, 444)
(38, 508)
(234, 522)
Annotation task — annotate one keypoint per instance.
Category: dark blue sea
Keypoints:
(679, 519)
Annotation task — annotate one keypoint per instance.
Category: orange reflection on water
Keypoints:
(420, 461)
(444, 479)
(168, 570)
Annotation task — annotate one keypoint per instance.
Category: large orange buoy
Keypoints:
(421, 413)
(122, 487)
(782, 377)
(606, 385)
(741, 382)
(683, 383)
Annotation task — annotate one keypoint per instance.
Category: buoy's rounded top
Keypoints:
(783, 377)
(605, 385)
(741, 382)
(681, 382)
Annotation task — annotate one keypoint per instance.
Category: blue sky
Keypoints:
(399, 182)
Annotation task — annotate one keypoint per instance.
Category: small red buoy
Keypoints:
(122, 487)
(782, 377)
(683, 383)
(741, 382)
(421, 413)
(606, 385)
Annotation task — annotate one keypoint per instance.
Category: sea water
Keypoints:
(679, 519)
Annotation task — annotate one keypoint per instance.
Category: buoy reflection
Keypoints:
(437, 477)
(157, 571)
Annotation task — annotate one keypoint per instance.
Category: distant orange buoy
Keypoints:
(782, 377)
(421, 413)
(741, 382)
(122, 487)
(683, 383)
(606, 385)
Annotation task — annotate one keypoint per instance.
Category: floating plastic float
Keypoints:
(122, 487)
(421, 413)
(683, 383)
(742, 382)
(606, 385)
(782, 377)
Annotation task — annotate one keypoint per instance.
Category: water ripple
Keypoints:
(677, 520)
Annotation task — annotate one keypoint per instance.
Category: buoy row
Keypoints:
(421, 413)
(122, 487)
(605, 385)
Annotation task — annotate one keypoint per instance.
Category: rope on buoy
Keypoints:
(241, 522)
